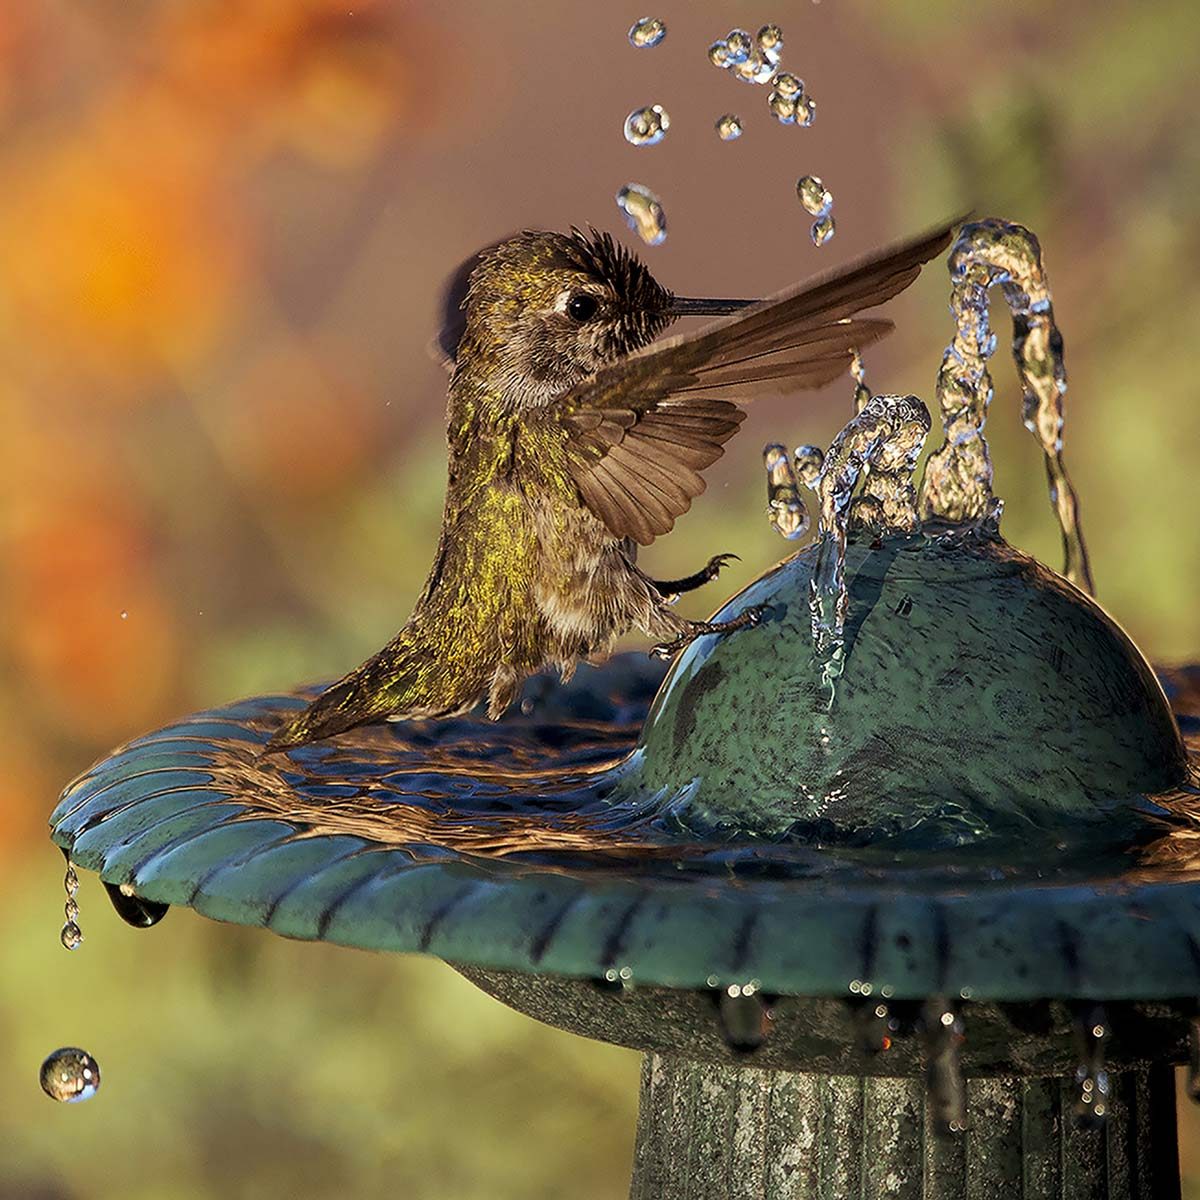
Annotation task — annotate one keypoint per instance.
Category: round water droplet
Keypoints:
(783, 108)
(788, 85)
(71, 936)
(643, 213)
(647, 126)
(718, 54)
(806, 111)
(770, 42)
(822, 230)
(648, 31)
(729, 127)
(739, 46)
(70, 1075)
(814, 195)
(124, 615)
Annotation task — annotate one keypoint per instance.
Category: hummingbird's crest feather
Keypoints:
(640, 430)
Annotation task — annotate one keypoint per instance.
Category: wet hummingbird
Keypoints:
(572, 441)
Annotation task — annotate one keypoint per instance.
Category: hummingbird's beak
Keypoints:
(702, 306)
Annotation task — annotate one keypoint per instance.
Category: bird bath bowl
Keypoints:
(925, 927)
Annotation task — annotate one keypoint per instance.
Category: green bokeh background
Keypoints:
(223, 228)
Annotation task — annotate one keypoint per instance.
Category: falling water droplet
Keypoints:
(644, 213)
(942, 1031)
(729, 127)
(71, 935)
(814, 195)
(739, 46)
(124, 615)
(806, 111)
(647, 126)
(874, 1025)
(862, 393)
(648, 31)
(70, 1075)
(808, 461)
(822, 230)
(770, 42)
(785, 506)
(1193, 1073)
(789, 85)
(1090, 1108)
(718, 54)
(783, 108)
(745, 1016)
(134, 910)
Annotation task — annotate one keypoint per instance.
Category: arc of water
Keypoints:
(958, 476)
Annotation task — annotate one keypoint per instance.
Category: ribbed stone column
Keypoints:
(736, 1133)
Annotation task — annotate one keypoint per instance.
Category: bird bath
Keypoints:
(894, 891)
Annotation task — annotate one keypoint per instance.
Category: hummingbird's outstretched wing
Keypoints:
(640, 431)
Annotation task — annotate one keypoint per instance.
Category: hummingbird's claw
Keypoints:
(748, 618)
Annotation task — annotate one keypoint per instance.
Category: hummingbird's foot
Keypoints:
(746, 619)
(676, 587)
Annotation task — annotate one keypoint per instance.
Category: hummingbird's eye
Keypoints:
(582, 307)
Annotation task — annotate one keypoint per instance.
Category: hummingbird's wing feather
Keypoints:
(639, 432)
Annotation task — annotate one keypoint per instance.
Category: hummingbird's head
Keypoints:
(546, 310)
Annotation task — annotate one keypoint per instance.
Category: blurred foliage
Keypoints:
(222, 230)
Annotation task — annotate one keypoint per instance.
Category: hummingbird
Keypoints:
(573, 440)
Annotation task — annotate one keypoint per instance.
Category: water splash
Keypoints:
(646, 32)
(70, 1075)
(1092, 1086)
(942, 1030)
(822, 230)
(644, 213)
(785, 506)
(958, 476)
(729, 127)
(647, 126)
(814, 195)
(71, 936)
(880, 445)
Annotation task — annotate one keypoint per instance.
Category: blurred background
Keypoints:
(223, 230)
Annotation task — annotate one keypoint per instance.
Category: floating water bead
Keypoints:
(643, 213)
(822, 230)
(649, 31)
(787, 84)
(729, 127)
(647, 126)
(814, 195)
(718, 54)
(70, 1075)
(806, 110)
(770, 42)
(739, 46)
(783, 108)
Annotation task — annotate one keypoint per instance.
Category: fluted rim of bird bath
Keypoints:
(184, 816)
